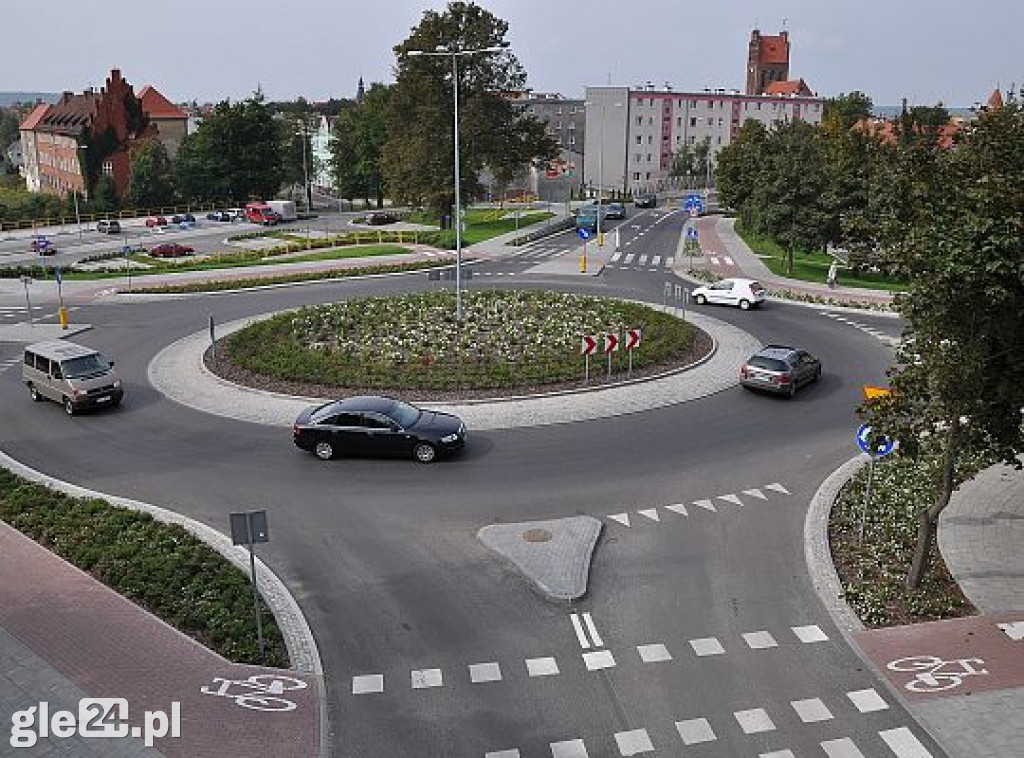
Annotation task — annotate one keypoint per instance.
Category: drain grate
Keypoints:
(537, 535)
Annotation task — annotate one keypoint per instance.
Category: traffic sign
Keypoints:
(691, 233)
(871, 393)
(588, 345)
(632, 338)
(56, 274)
(584, 233)
(611, 342)
(694, 201)
(876, 446)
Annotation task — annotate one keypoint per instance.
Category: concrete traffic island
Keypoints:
(553, 555)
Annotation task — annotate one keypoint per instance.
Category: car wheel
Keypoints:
(700, 299)
(817, 374)
(69, 407)
(424, 452)
(324, 450)
(34, 393)
(792, 388)
(744, 305)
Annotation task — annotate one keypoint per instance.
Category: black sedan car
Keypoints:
(781, 369)
(373, 425)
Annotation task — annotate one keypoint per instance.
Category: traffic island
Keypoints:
(553, 555)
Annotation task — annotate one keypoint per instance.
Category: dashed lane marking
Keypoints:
(904, 744)
(841, 748)
(656, 653)
(759, 640)
(634, 742)
(812, 710)
(707, 646)
(599, 659)
(867, 701)
(484, 672)
(754, 721)
(426, 678)
(569, 749)
(695, 731)
(811, 633)
(541, 666)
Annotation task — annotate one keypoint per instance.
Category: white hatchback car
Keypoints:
(746, 293)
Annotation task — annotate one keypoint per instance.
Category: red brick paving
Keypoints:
(976, 639)
(110, 647)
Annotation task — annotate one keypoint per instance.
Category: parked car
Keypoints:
(781, 369)
(156, 221)
(170, 250)
(374, 425)
(42, 245)
(615, 210)
(645, 201)
(746, 293)
(183, 218)
(220, 216)
(108, 226)
(380, 218)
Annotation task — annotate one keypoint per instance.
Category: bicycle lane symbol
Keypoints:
(933, 674)
(260, 692)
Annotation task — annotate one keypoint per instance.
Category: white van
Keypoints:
(75, 376)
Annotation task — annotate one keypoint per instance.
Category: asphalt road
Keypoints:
(383, 558)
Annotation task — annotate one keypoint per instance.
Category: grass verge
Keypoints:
(159, 566)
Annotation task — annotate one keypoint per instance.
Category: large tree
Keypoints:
(151, 183)
(235, 154)
(357, 146)
(960, 244)
(847, 110)
(418, 156)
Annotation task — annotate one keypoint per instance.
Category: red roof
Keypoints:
(34, 117)
(774, 49)
(791, 87)
(995, 100)
(156, 106)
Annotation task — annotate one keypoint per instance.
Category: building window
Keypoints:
(572, 141)
(719, 142)
(636, 175)
(711, 104)
(650, 120)
(648, 157)
(637, 156)
(650, 140)
(720, 122)
(693, 139)
(693, 122)
(648, 174)
(711, 122)
(639, 122)
(108, 167)
(639, 141)
(679, 122)
(693, 103)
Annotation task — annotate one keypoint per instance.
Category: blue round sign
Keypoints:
(584, 233)
(877, 447)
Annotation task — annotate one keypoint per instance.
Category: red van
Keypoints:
(261, 213)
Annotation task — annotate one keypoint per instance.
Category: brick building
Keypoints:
(767, 60)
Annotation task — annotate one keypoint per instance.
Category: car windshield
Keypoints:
(86, 365)
(770, 364)
(403, 414)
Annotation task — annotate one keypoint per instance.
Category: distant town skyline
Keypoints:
(317, 49)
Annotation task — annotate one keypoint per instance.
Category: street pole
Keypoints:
(78, 218)
(458, 205)
(28, 303)
(600, 182)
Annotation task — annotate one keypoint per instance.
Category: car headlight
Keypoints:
(449, 438)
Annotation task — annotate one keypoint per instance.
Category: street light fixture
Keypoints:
(440, 52)
(306, 191)
(600, 171)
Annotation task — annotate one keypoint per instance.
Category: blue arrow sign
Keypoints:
(584, 233)
(694, 201)
(876, 447)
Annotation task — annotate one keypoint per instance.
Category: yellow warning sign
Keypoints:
(870, 393)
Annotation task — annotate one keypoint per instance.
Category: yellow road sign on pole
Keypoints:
(871, 393)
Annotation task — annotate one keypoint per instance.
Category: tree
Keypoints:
(845, 111)
(961, 378)
(418, 155)
(739, 168)
(357, 146)
(692, 161)
(235, 154)
(151, 183)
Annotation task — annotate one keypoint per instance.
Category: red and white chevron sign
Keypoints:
(611, 342)
(588, 345)
(632, 338)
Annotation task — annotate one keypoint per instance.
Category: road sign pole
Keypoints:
(583, 257)
(629, 371)
(256, 602)
(28, 302)
(586, 368)
(867, 500)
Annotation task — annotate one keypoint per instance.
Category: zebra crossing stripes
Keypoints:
(707, 504)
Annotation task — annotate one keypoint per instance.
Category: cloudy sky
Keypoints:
(928, 51)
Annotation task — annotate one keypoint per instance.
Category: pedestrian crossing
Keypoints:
(11, 314)
(6, 363)
(648, 261)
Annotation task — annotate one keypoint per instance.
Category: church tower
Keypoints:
(767, 61)
(360, 92)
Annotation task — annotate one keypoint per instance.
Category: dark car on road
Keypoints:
(220, 216)
(170, 250)
(43, 246)
(615, 210)
(645, 201)
(378, 218)
(377, 426)
(780, 369)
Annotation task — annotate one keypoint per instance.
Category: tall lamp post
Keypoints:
(600, 173)
(74, 195)
(306, 191)
(440, 52)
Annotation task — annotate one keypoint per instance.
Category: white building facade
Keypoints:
(643, 128)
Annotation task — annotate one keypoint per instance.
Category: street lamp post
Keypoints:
(441, 51)
(74, 195)
(600, 175)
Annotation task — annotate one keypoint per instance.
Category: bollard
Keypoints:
(63, 313)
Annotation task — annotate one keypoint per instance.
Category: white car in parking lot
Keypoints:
(746, 293)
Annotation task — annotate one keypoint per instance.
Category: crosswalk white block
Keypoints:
(842, 748)
(634, 742)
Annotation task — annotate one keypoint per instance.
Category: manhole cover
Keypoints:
(537, 535)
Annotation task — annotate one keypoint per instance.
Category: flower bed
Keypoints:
(507, 340)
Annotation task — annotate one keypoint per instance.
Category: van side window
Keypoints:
(43, 364)
(55, 368)
(30, 359)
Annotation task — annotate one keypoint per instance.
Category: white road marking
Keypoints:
(598, 642)
(502, 753)
(705, 504)
(754, 721)
(903, 743)
(368, 683)
(634, 742)
(651, 513)
(541, 666)
(811, 633)
(678, 508)
(599, 659)
(867, 701)
(425, 678)
(1014, 631)
(569, 749)
(581, 636)
(734, 499)
(759, 640)
(811, 710)
(614, 258)
(669, 260)
(707, 646)
(629, 259)
(654, 653)
(727, 259)
(843, 748)
(655, 261)
(640, 259)
(622, 518)
(714, 261)
(777, 754)
(484, 672)
(777, 488)
(756, 493)
(695, 731)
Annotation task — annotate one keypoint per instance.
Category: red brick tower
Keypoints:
(767, 61)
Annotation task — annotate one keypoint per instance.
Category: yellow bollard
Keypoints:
(583, 262)
(63, 313)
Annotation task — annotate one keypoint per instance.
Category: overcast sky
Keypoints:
(928, 51)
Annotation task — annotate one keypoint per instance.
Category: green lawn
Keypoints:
(812, 266)
(481, 224)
